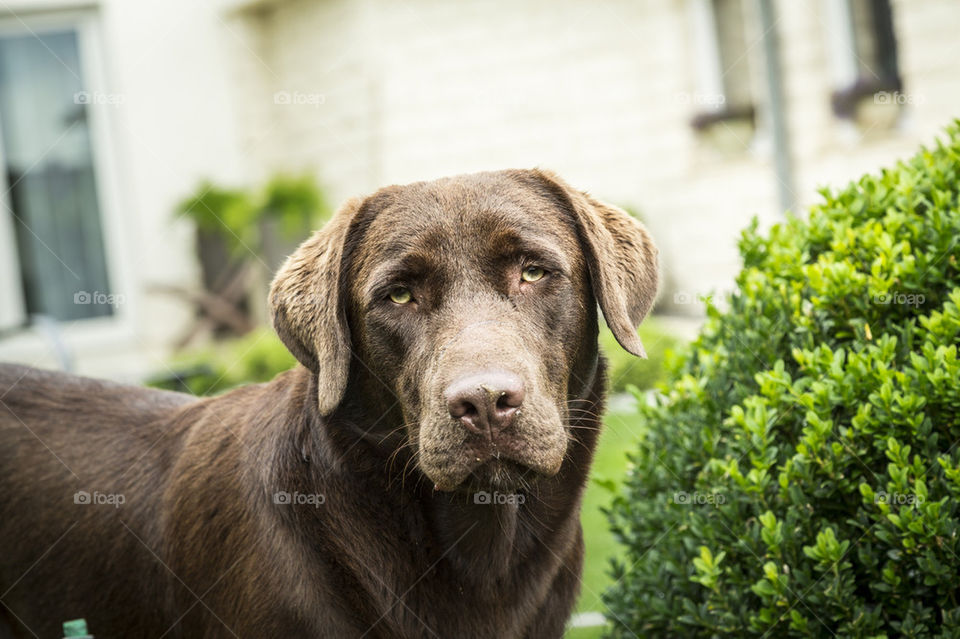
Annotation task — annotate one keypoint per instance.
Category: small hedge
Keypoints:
(258, 356)
(800, 473)
(625, 370)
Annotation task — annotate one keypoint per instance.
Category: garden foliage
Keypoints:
(800, 473)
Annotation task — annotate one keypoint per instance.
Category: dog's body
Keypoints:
(319, 504)
(210, 469)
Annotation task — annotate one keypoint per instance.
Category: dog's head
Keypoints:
(471, 301)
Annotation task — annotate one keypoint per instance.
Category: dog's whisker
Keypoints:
(582, 426)
(583, 411)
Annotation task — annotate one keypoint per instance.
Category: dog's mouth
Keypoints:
(493, 472)
(502, 475)
(467, 455)
(508, 469)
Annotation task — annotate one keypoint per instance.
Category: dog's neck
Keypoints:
(483, 540)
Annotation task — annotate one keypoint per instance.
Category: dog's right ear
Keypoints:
(621, 258)
(306, 308)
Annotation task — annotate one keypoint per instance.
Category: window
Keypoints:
(724, 81)
(864, 53)
(52, 256)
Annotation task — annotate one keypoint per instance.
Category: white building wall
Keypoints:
(595, 90)
(382, 92)
(419, 90)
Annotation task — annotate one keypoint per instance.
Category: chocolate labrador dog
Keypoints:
(419, 475)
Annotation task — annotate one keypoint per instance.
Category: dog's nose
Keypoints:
(485, 403)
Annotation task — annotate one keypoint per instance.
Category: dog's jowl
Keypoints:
(418, 475)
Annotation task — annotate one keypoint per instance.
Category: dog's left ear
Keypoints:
(306, 308)
(621, 258)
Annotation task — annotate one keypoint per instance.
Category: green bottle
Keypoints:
(76, 629)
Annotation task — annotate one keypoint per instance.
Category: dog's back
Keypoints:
(72, 451)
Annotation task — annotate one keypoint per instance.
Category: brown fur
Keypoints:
(400, 545)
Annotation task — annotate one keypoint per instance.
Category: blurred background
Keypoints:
(161, 158)
(694, 114)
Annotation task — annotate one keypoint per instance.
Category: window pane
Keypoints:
(734, 52)
(49, 168)
(876, 45)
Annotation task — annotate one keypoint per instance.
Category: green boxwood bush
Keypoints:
(800, 473)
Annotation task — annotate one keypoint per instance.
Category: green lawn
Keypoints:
(621, 431)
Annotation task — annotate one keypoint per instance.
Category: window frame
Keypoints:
(709, 71)
(849, 85)
(18, 338)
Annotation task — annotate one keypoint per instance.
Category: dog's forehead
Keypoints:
(486, 207)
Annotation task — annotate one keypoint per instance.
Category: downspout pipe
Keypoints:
(782, 164)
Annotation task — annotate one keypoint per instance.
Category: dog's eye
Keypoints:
(532, 274)
(401, 295)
